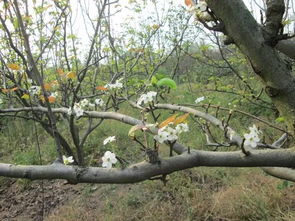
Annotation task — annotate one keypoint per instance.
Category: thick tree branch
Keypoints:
(274, 15)
(287, 47)
(281, 172)
(143, 171)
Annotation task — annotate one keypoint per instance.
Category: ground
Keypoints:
(214, 194)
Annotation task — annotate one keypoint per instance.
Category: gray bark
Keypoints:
(250, 38)
(143, 171)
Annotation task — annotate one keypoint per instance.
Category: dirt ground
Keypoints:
(33, 201)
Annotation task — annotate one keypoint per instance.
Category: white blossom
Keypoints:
(67, 160)
(109, 140)
(198, 100)
(231, 135)
(161, 137)
(70, 111)
(166, 134)
(201, 6)
(34, 90)
(116, 85)
(108, 159)
(183, 127)
(99, 102)
(91, 104)
(84, 102)
(252, 138)
(172, 134)
(78, 111)
(54, 94)
(147, 98)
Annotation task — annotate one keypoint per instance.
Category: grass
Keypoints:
(196, 194)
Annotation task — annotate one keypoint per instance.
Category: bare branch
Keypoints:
(143, 171)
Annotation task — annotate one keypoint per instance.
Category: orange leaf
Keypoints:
(181, 119)
(54, 83)
(188, 3)
(167, 121)
(4, 90)
(71, 75)
(47, 86)
(51, 99)
(14, 89)
(102, 88)
(13, 66)
(60, 71)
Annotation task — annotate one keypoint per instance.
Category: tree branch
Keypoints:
(143, 171)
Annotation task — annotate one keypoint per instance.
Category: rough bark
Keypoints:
(249, 37)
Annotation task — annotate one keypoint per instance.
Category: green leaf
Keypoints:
(280, 120)
(159, 76)
(167, 82)
(154, 80)
(283, 185)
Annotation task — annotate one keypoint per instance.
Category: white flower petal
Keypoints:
(198, 100)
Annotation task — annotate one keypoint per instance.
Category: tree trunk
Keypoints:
(251, 39)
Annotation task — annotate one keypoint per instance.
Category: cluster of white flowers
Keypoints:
(34, 90)
(86, 103)
(67, 160)
(200, 99)
(147, 98)
(108, 159)
(116, 85)
(252, 138)
(99, 102)
(168, 133)
(77, 110)
(78, 107)
(109, 140)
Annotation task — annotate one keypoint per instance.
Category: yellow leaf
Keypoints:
(41, 97)
(71, 75)
(155, 26)
(51, 99)
(181, 119)
(167, 121)
(13, 66)
(132, 130)
(26, 96)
